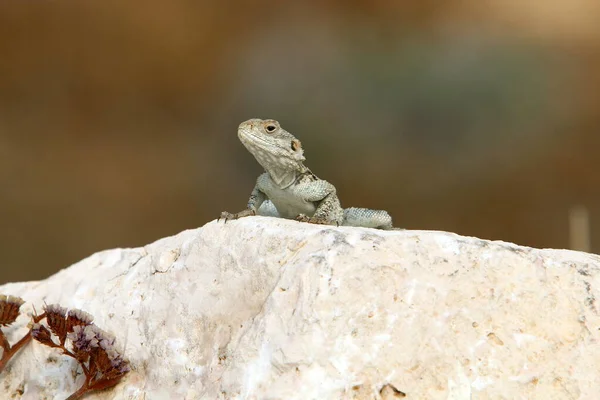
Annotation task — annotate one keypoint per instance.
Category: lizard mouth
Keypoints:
(256, 143)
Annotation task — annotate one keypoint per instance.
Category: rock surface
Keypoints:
(264, 308)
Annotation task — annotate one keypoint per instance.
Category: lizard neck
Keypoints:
(285, 177)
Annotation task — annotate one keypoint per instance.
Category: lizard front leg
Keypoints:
(256, 199)
(328, 211)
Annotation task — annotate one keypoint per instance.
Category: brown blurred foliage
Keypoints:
(118, 119)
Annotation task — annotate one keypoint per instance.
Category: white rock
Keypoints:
(264, 308)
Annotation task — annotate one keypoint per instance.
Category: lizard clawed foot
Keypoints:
(312, 220)
(227, 216)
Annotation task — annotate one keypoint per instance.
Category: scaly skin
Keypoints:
(288, 189)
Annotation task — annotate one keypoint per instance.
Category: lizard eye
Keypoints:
(270, 128)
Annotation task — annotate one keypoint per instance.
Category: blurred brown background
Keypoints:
(118, 119)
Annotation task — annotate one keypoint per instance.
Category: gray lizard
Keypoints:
(290, 190)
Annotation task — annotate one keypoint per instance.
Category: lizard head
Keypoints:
(277, 150)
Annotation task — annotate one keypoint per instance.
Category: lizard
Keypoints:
(288, 189)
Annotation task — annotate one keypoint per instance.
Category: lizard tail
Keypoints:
(367, 218)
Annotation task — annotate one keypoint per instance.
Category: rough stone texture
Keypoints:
(264, 308)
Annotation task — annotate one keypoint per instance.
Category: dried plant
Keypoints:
(92, 347)
(76, 336)
(9, 311)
